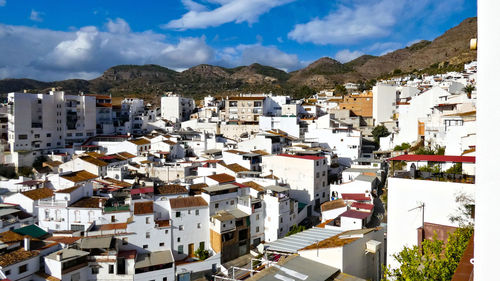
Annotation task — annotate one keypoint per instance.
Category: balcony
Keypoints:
(52, 203)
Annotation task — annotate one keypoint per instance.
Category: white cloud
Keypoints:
(356, 20)
(3, 3)
(198, 16)
(257, 53)
(350, 24)
(279, 39)
(36, 16)
(346, 55)
(85, 53)
(382, 48)
(117, 26)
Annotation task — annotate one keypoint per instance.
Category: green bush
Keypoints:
(296, 229)
(201, 253)
(401, 147)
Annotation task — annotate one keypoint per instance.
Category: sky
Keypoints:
(61, 39)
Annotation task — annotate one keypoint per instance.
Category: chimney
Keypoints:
(27, 243)
(58, 256)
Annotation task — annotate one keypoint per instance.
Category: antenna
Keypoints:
(421, 206)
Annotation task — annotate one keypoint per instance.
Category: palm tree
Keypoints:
(469, 89)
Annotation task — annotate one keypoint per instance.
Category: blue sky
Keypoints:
(61, 39)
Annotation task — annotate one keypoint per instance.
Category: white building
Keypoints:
(384, 102)
(306, 175)
(429, 201)
(176, 108)
(44, 122)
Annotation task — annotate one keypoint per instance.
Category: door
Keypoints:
(191, 250)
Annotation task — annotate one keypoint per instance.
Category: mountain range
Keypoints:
(447, 52)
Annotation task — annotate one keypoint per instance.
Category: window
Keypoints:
(180, 249)
(49, 135)
(166, 231)
(23, 268)
(113, 219)
(257, 229)
(95, 270)
(323, 192)
(145, 246)
(199, 225)
(323, 174)
(164, 278)
(317, 174)
(197, 212)
(147, 219)
(281, 220)
(37, 136)
(181, 227)
(162, 244)
(189, 212)
(7, 272)
(216, 205)
(257, 217)
(148, 235)
(177, 214)
(23, 137)
(111, 269)
(232, 202)
(178, 239)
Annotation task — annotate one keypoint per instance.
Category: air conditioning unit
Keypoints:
(372, 246)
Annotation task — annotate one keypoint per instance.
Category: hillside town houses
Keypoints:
(178, 189)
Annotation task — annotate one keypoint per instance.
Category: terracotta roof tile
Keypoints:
(222, 178)
(63, 239)
(170, 189)
(68, 190)
(10, 237)
(90, 202)
(113, 226)
(143, 208)
(94, 161)
(79, 176)
(140, 141)
(330, 205)
(16, 257)
(235, 167)
(254, 185)
(40, 193)
(187, 202)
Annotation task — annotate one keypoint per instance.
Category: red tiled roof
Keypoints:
(363, 206)
(434, 158)
(142, 190)
(39, 193)
(113, 226)
(355, 196)
(355, 214)
(187, 202)
(171, 189)
(162, 223)
(222, 178)
(143, 208)
(302, 156)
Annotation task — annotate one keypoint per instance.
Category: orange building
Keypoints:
(360, 105)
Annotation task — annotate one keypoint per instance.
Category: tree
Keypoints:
(340, 90)
(296, 229)
(304, 92)
(401, 147)
(201, 253)
(469, 89)
(378, 132)
(434, 261)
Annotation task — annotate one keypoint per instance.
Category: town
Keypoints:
(243, 187)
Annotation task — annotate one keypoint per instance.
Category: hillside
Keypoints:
(149, 81)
